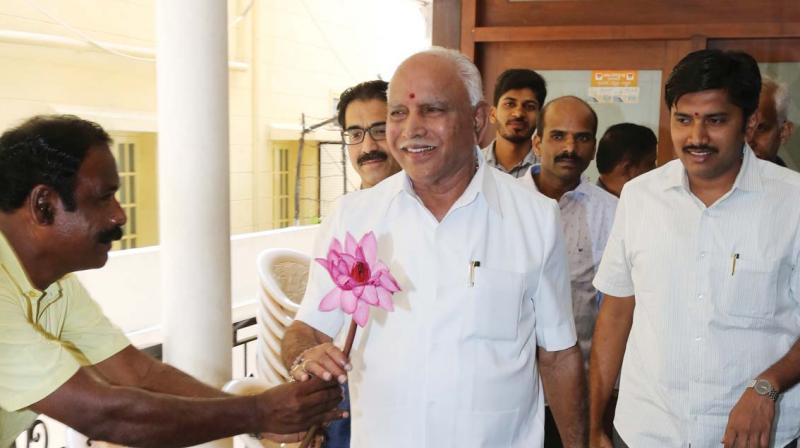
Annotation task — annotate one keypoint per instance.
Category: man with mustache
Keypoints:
(565, 144)
(773, 127)
(362, 116)
(701, 277)
(59, 355)
(518, 95)
(484, 305)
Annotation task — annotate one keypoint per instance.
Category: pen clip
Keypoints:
(472, 265)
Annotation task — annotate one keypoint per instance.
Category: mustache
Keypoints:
(566, 156)
(370, 156)
(700, 147)
(112, 234)
(517, 120)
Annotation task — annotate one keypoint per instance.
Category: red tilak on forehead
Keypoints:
(411, 95)
(696, 114)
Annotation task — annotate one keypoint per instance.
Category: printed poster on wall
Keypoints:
(614, 86)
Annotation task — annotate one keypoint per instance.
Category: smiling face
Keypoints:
(432, 129)
(84, 235)
(370, 158)
(515, 115)
(707, 135)
(567, 143)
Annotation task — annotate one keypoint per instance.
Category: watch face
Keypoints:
(762, 387)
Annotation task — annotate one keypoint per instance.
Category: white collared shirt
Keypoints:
(587, 214)
(453, 365)
(702, 327)
(519, 170)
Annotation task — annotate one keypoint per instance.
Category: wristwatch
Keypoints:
(763, 387)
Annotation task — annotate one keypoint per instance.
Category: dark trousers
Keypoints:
(337, 434)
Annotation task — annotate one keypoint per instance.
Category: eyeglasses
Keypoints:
(354, 136)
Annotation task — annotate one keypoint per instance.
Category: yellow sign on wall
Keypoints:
(614, 86)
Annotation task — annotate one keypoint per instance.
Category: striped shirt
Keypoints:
(704, 326)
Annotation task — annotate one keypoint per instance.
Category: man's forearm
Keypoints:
(136, 417)
(608, 348)
(786, 372)
(131, 367)
(564, 383)
(298, 338)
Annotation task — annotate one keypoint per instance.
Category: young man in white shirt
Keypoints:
(484, 304)
(519, 94)
(701, 280)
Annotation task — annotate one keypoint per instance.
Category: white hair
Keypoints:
(781, 96)
(466, 70)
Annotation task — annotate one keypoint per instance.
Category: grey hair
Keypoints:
(781, 96)
(467, 71)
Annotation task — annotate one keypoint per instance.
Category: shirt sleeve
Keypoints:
(32, 363)
(87, 331)
(614, 273)
(552, 302)
(320, 283)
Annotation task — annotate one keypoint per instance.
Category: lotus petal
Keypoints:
(331, 301)
(385, 299)
(369, 245)
(358, 291)
(370, 295)
(361, 314)
(350, 244)
(349, 301)
(387, 281)
(335, 247)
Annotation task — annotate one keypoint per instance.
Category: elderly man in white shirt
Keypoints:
(701, 280)
(484, 308)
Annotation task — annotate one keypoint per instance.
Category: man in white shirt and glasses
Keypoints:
(701, 280)
(362, 116)
(484, 305)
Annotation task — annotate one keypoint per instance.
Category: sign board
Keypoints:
(614, 86)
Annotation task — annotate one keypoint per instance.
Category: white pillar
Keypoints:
(192, 77)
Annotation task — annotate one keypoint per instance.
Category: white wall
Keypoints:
(128, 287)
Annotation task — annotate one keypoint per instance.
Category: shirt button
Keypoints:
(700, 296)
(698, 339)
(702, 254)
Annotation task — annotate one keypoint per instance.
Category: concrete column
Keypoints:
(194, 200)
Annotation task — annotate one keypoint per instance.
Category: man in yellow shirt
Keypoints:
(58, 354)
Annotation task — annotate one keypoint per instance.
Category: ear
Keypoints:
(42, 204)
(625, 167)
(750, 126)
(493, 115)
(480, 120)
(537, 145)
(786, 131)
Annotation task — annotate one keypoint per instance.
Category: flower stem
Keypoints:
(348, 346)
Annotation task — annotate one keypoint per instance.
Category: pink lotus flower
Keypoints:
(361, 279)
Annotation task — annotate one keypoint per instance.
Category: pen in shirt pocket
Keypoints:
(472, 265)
(734, 257)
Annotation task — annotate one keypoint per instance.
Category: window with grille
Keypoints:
(284, 211)
(125, 154)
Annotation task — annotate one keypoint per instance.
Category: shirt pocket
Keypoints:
(495, 301)
(750, 287)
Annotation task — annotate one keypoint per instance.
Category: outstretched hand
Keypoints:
(294, 407)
